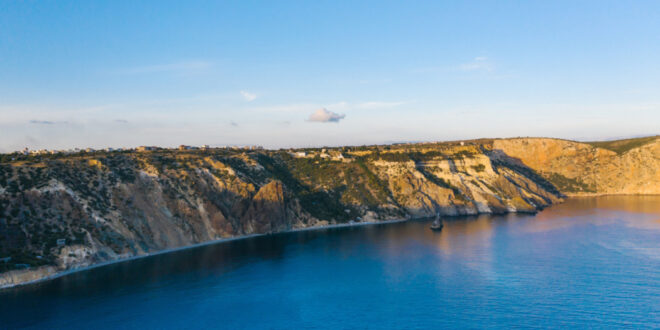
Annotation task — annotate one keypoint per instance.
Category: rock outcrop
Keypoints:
(63, 212)
(22, 276)
(584, 169)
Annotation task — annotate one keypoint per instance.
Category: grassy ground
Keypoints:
(621, 146)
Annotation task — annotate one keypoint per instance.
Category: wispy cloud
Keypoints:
(323, 115)
(248, 96)
(47, 122)
(479, 63)
(121, 121)
(176, 67)
(42, 122)
(233, 123)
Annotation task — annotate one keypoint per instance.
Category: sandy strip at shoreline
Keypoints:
(217, 241)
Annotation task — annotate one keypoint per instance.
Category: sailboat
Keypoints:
(437, 223)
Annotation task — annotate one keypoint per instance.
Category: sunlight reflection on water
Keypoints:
(589, 262)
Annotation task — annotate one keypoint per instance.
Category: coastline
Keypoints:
(587, 195)
(192, 246)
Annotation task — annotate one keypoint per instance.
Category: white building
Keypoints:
(300, 154)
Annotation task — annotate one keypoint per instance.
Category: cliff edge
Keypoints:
(599, 168)
(64, 212)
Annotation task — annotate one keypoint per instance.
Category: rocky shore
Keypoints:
(63, 213)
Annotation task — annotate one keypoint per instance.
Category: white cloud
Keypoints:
(248, 96)
(322, 115)
(480, 63)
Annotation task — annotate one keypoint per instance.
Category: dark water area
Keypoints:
(590, 262)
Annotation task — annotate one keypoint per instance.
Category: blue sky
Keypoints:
(301, 73)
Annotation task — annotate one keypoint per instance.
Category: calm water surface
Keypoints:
(591, 262)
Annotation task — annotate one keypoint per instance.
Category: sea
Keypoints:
(586, 263)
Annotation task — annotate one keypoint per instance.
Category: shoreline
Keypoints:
(192, 246)
(236, 238)
(579, 195)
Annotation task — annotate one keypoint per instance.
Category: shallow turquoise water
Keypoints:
(591, 262)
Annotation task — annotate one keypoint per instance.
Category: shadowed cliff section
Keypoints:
(629, 166)
(63, 212)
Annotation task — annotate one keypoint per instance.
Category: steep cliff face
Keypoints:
(69, 211)
(462, 186)
(61, 212)
(273, 210)
(631, 167)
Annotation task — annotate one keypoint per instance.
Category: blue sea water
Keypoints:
(589, 262)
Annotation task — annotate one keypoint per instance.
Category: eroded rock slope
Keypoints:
(61, 212)
(615, 167)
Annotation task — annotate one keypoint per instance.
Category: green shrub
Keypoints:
(479, 168)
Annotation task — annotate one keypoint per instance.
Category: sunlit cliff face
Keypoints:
(74, 210)
(587, 169)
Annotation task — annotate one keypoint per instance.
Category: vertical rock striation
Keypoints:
(62, 212)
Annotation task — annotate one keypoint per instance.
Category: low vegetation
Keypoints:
(131, 202)
(570, 185)
(622, 146)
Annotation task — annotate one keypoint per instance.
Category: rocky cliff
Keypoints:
(62, 212)
(615, 167)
